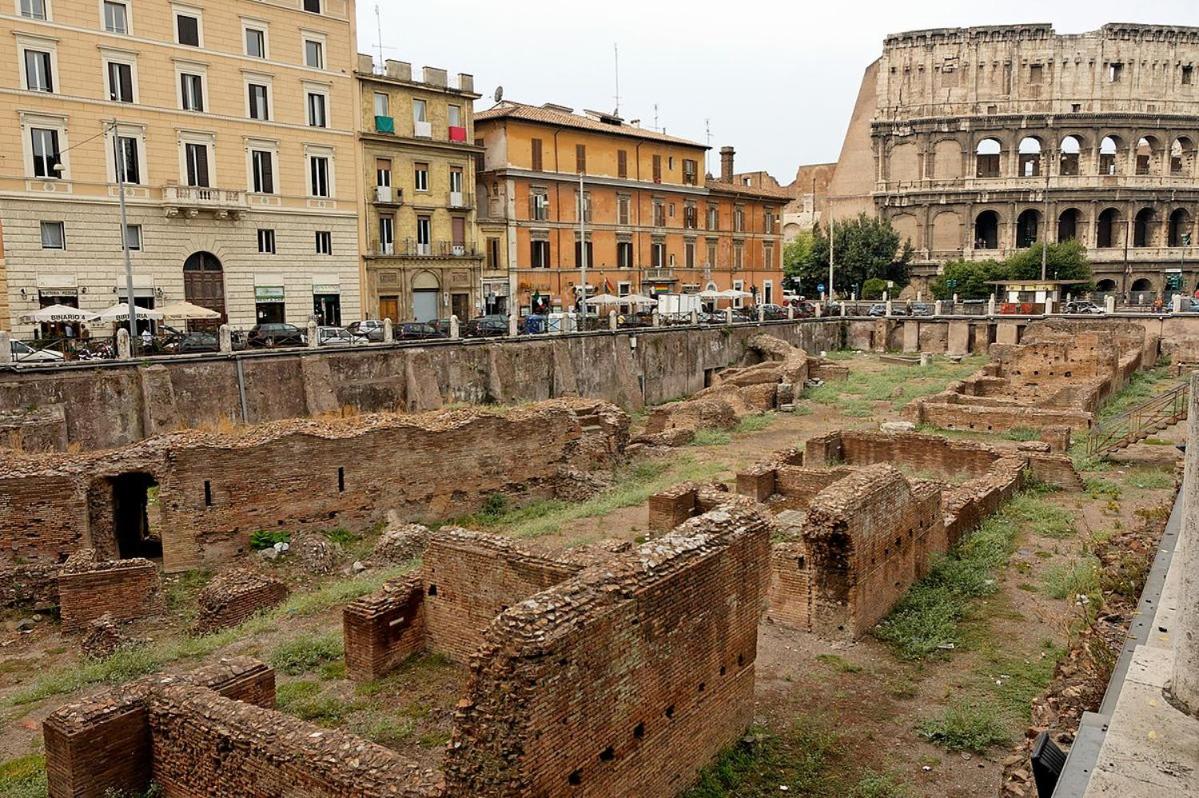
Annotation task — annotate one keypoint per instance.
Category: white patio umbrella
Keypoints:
(120, 312)
(186, 311)
(604, 299)
(708, 293)
(733, 293)
(58, 313)
(639, 299)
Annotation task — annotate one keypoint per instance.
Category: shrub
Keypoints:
(967, 727)
(265, 539)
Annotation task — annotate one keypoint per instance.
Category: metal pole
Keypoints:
(829, 295)
(1045, 235)
(583, 249)
(120, 170)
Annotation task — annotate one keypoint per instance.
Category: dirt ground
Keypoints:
(874, 699)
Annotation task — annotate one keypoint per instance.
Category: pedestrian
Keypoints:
(147, 338)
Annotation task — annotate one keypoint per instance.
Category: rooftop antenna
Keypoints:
(499, 95)
(379, 26)
(708, 152)
(656, 117)
(616, 60)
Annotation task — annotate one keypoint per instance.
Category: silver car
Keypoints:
(24, 353)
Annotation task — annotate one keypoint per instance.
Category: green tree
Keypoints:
(865, 248)
(968, 279)
(1065, 261)
(795, 256)
(874, 288)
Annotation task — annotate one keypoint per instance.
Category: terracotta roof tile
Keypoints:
(751, 191)
(552, 116)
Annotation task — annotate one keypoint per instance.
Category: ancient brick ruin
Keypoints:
(125, 590)
(194, 497)
(548, 709)
(235, 596)
(1058, 376)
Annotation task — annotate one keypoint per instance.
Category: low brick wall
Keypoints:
(385, 628)
(125, 589)
(673, 506)
(233, 597)
(33, 584)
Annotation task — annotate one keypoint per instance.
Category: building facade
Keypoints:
(422, 259)
(978, 142)
(233, 123)
(652, 222)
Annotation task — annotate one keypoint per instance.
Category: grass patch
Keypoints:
(839, 663)
(899, 385)
(307, 653)
(879, 785)
(24, 777)
(967, 726)
(305, 701)
(1149, 479)
(181, 591)
(711, 437)
(266, 538)
(800, 759)
(388, 731)
(755, 423)
(1077, 578)
(1098, 488)
(1143, 386)
(1015, 681)
(341, 536)
(1021, 434)
(1040, 516)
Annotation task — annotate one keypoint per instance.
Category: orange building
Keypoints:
(653, 223)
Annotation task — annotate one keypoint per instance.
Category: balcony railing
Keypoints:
(461, 199)
(422, 130)
(385, 124)
(437, 249)
(457, 133)
(659, 274)
(205, 196)
(388, 195)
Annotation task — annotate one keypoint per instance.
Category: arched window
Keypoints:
(1028, 227)
(1142, 233)
(987, 157)
(1182, 157)
(986, 230)
(1180, 228)
(1146, 147)
(1108, 151)
(1068, 223)
(1142, 285)
(1105, 286)
(1108, 230)
(1071, 152)
(1030, 157)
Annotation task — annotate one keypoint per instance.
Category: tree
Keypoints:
(795, 256)
(968, 279)
(1065, 261)
(874, 288)
(865, 248)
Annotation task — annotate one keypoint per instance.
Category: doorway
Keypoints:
(460, 306)
(134, 513)
(424, 304)
(327, 309)
(389, 307)
(204, 285)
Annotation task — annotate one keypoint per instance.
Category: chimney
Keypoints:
(726, 164)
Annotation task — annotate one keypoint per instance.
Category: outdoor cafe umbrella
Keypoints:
(605, 299)
(639, 299)
(120, 313)
(711, 294)
(733, 293)
(53, 314)
(186, 311)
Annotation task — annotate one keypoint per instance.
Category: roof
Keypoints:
(781, 194)
(562, 118)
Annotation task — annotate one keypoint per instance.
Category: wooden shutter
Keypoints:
(268, 172)
(536, 155)
(622, 163)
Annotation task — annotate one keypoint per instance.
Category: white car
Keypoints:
(337, 336)
(24, 353)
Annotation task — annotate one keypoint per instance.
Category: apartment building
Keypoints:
(421, 257)
(233, 124)
(653, 223)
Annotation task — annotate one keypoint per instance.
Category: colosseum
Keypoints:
(976, 142)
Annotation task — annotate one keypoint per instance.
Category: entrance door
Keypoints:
(204, 285)
(389, 308)
(134, 502)
(424, 304)
(460, 306)
(327, 309)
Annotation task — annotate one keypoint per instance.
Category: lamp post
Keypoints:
(1045, 214)
(583, 248)
(119, 163)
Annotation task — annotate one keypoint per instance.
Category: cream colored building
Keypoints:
(235, 122)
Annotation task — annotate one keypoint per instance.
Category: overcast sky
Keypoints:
(777, 80)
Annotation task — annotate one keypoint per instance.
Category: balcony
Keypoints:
(412, 248)
(660, 275)
(462, 200)
(387, 195)
(385, 124)
(190, 200)
(457, 133)
(422, 130)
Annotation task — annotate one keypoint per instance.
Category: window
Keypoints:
(768, 256)
(196, 160)
(456, 180)
(187, 29)
(33, 9)
(314, 54)
(1115, 71)
(266, 241)
(312, 6)
(739, 220)
(383, 172)
(580, 157)
(421, 177)
(120, 82)
(386, 235)
(127, 152)
(116, 17)
(324, 242)
(689, 254)
(623, 204)
(536, 145)
(622, 163)
(738, 285)
(540, 205)
(454, 115)
(738, 256)
(316, 110)
(659, 214)
(539, 254)
(586, 205)
(690, 172)
(255, 42)
(262, 166)
(133, 236)
(1036, 73)
(259, 108)
(191, 88)
(1188, 75)
(420, 111)
(38, 75)
(713, 221)
(580, 249)
(46, 155)
(657, 253)
(690, 216)
(318, 175)
(53, 235)
(657, 168)
(711, 254)
(382, 104)
(624, 254)
(424, 234)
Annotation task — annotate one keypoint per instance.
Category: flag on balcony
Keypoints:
(385, 124)
(457, 133)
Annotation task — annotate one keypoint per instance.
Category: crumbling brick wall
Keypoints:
(673, 506)
(934, 454)
(126, 589)
(42, 519)
(627, 678)
(234, 596)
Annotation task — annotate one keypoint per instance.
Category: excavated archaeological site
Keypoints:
(824, 571)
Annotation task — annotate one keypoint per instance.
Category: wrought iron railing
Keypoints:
(1139, 423)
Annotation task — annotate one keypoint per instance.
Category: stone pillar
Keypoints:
(791, 312)
(123, 351)
(844, 310)
(225, 337)
(455, 330)
(1109, 303)
(911, 337)
(890, 309)
(5, 347)
(819, 309)
(728, 315)
(313, 338)
(655, 318)
(695, 317)
(991, 306)
(761, 312)
(937, 308)
(1007, 332)
(612, 320)
(514, 330)
(388, 333)
(926, 359)
(1048, 307)
(1176, 303)
(1184, 682)
(959, 338)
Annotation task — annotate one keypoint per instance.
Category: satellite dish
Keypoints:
(499, 93)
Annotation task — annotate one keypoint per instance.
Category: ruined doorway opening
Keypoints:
(134, 508)
(1028, 228)
(986, 230)
(1068, 225)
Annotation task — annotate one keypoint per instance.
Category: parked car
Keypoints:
(877, 309)
(1082, 306)
(921, 309)
(774, 312)
(485, 327)
(337, 336)
(198, 341)
(370, 329)
(276, 334)
(24, 353)
(418, 331)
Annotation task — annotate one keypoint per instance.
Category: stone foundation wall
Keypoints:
(625, 679)
(41, 520)
(934, 454)
(235, 596)
(126, 589)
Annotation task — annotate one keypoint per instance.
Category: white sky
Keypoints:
(777, 79)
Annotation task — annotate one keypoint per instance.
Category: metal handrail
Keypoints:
(1139, 422)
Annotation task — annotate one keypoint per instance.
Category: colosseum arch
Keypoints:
(1028, 228)
(1070, 162)
(947, 232)
(987, 158)
(905, 225)
(1182, 157)
(1181, 224)
(1109, 229)
(1143, 227)
(1030, 157)
(904, 164)
(1105, 286)
(986, 230)
(947, 155)
(1069, 225)
(1146, 155)
(1109, 152)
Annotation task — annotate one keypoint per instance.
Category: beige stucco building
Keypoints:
(976, 142)
(421, 254)
(235, 123)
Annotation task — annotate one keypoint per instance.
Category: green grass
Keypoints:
(839, 663)
(879, 785)
(1149, 479)
(1012, 682)
(1079, 577)
(1098, 488)
(341, 536)
(1041, 517)
(24, 777)
(305, 701)
(899, 385)
(1143, 386)
(386, 730)
(967, 726)
(800, 759)
(1021, 434)
(266, 538)
(307, 653)
(711, 437)
(755, 423)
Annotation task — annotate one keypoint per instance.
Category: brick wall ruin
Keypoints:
(1058, 376)
(207, 493)
(234, 596)
(125, 589)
